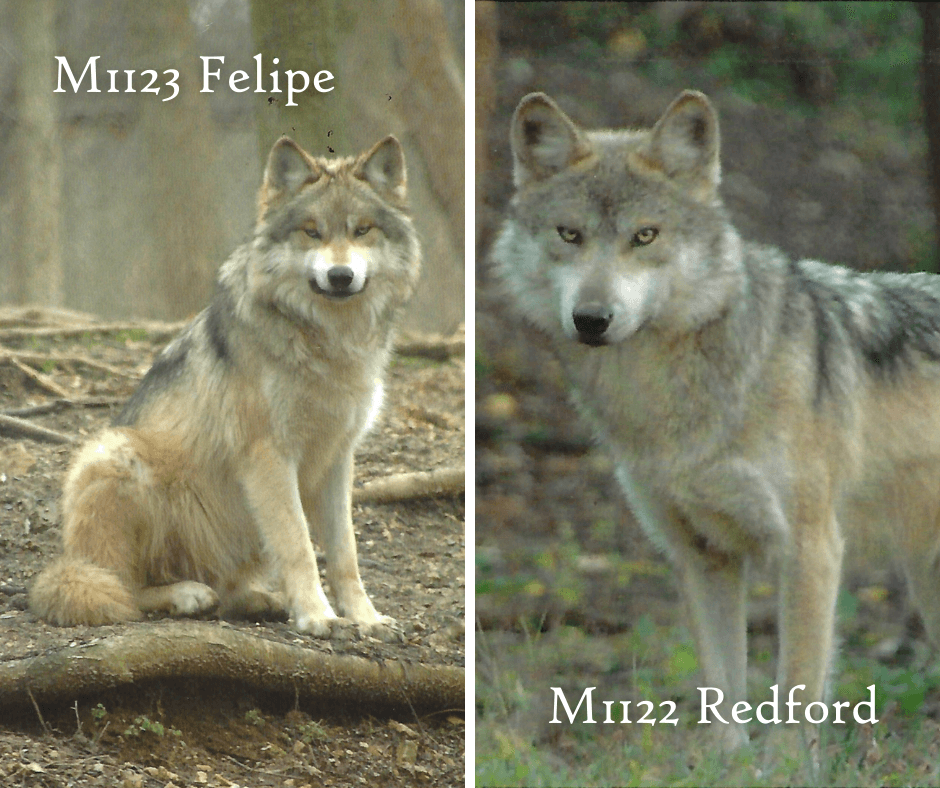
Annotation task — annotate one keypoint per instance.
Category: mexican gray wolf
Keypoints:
(241, 435)
(754, 405)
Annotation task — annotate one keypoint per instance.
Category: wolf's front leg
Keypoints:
(328, 504)
(270, 485)
(714, 590)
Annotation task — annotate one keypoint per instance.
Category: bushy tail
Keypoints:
(71, 592)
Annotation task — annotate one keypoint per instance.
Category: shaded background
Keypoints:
(824, 154)
(121, 204)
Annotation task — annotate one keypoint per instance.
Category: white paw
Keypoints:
(189, 597)
(320, 626)
(386, 629)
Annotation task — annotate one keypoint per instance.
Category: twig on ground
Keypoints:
(6, 588)
(45, 725)
(12, 427)
(154, 329)
(431, 346)
(44, 381)
(34, 357)
(57, 405)
(443, 420)
(443, 482)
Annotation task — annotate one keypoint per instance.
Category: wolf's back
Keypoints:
(72, 592)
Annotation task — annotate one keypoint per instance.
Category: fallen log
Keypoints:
(198, 650)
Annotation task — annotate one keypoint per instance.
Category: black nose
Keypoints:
(591, 321)
(340, 277)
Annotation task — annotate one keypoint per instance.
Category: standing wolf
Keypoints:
(242, 433)
(753, 404)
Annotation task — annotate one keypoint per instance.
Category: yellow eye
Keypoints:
(645, 236)
(313, 232)
(361, 230)
(570, 236)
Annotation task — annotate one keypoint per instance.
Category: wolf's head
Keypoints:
(612, 231)
(331, 231)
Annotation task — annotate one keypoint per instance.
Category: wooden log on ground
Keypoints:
(210, 651)
(442, 482)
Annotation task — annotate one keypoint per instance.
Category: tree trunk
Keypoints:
(395, 71)
(34, 164)
(930, 87)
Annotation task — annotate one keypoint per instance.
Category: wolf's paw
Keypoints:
(331, 628)
(189, 597)
(383, 628)
(386, 629)
(319, 626)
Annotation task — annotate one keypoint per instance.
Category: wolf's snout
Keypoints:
(591, 322)
(337, 282)
(340, 277)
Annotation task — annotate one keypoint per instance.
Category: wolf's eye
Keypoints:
(569, 236)
(644, 236)
(313, 232)
(361, 230)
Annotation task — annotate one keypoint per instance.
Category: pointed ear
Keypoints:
(544, 140)
(684, 144)
(383, 168)
(288, 168)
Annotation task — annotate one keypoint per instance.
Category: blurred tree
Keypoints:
(301, 37)
(34, 161)
(153, 193)
(395, 72)
(180, 187)
(930, 86)
(487, 53)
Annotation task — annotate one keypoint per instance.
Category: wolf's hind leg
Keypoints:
(809, 585)
(93, 582)
(185, 598)
(919, 520)
(72, 592)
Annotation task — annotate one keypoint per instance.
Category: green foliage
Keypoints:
(550, 574)
(482, 365)
(658, 662)
(313, 731)
(254, 717)
(144, 725)
(131, 335)
(873, 49)
(904, 687)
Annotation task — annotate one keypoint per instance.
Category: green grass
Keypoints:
(517, 746)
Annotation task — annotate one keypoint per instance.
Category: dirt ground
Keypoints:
(215, 734)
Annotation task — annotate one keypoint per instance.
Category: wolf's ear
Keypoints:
(288, 168)
(383, 168)
(684, 144)
(544, 140)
